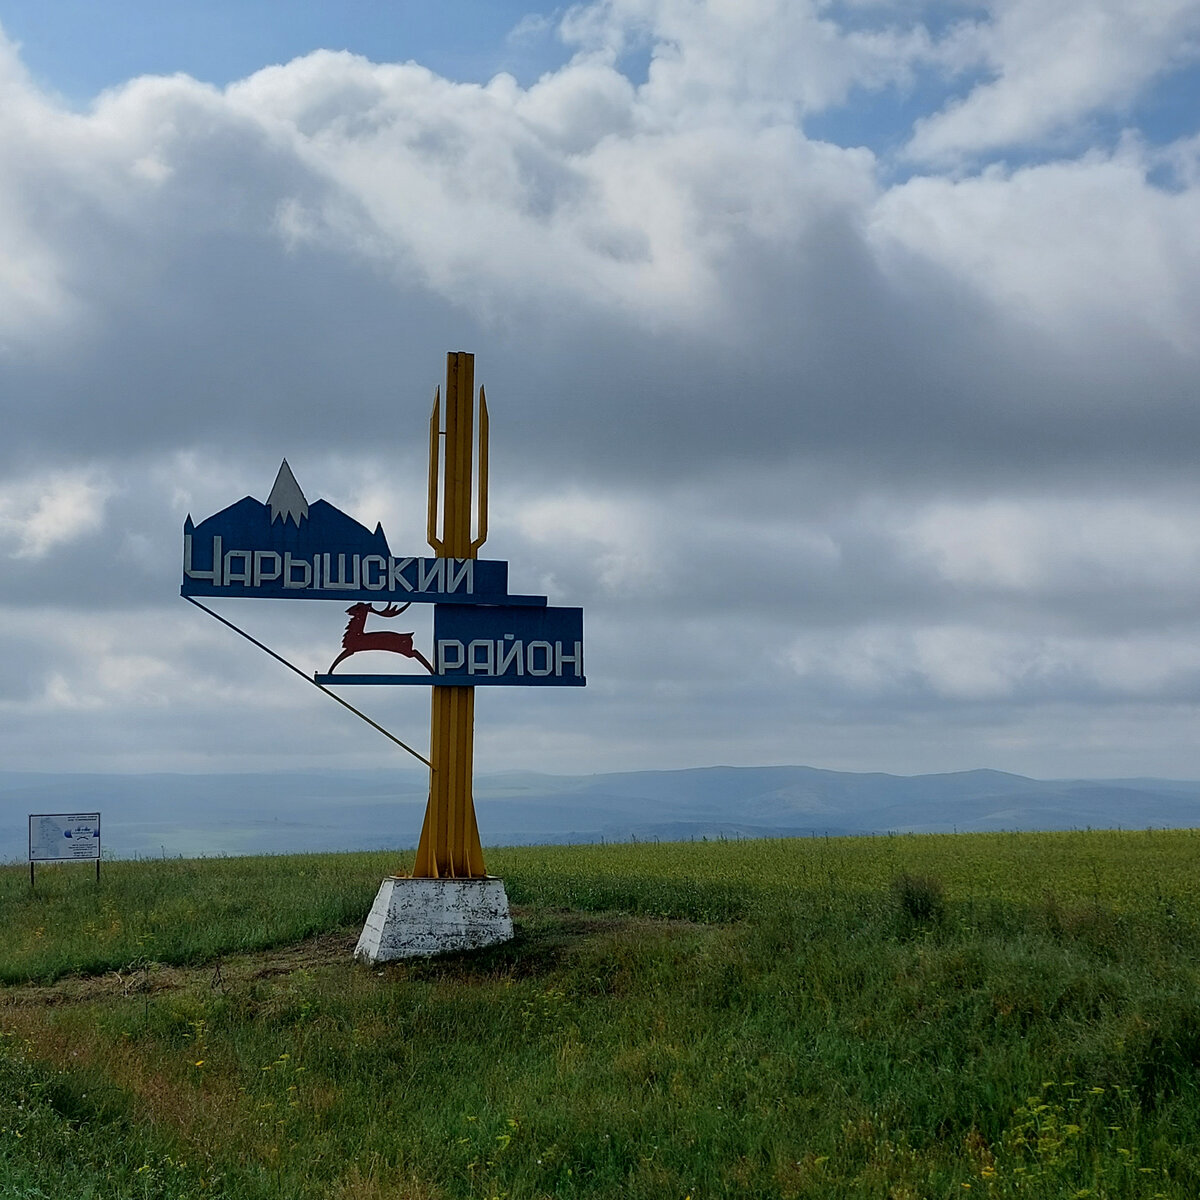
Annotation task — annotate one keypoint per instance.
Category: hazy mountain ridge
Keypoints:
(344, 810)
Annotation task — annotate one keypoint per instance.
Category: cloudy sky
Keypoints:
(843, 359)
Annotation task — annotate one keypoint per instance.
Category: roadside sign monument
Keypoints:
(483, 635)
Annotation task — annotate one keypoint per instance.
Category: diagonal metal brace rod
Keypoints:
(309, 679)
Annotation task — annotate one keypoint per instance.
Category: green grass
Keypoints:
(901, 1018)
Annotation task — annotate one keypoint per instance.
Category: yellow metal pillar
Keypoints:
(449, 847)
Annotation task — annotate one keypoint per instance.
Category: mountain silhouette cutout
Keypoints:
(292, 526)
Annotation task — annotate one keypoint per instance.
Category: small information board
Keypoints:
(64, 837)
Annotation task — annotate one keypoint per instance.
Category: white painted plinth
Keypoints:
(415, 918)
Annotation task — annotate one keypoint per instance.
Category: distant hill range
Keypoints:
(151, 815)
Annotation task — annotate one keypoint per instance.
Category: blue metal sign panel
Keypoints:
(522, 646)
(512, 646)
(288, 549)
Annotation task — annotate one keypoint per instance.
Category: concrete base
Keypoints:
(416, 918)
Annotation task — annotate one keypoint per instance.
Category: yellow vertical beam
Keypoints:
(481, 517)
(435, 434)
(449, 847)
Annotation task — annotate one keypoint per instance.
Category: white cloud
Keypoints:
(531, 27)
(1033, 544)
(37, 514)
(756, 62)
(1052, 65)
(578, 188)
(612, 532)
(1088, 250)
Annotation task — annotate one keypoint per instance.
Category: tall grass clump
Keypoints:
(920, 900)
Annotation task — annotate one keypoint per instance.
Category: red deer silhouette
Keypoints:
(355, 640)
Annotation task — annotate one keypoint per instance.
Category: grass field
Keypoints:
(1010, 1015)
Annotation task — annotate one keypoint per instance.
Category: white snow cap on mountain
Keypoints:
(286, 500)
